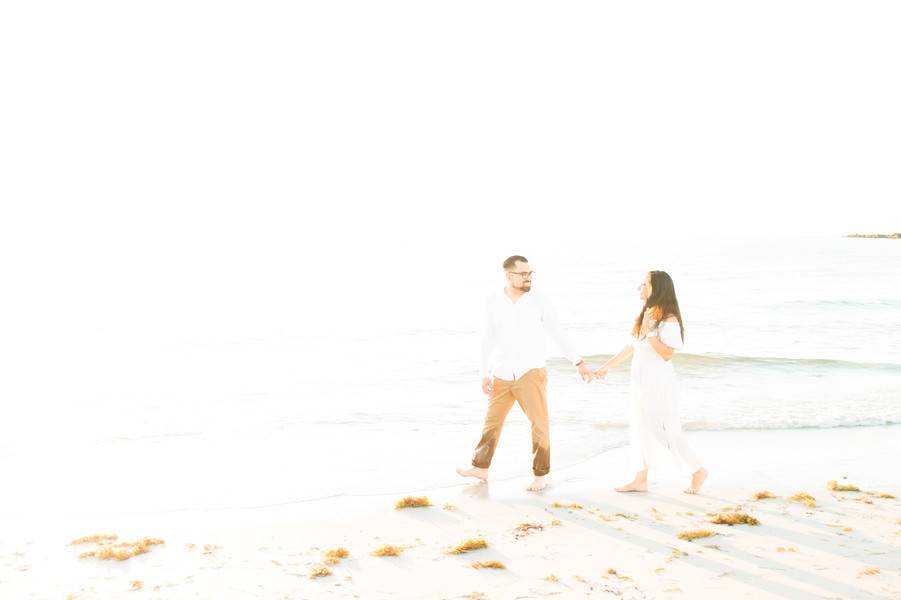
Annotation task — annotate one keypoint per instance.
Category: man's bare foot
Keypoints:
(537, 484)
(635, 486)
(697, 480)
(477, 472)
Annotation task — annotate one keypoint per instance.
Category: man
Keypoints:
(513, 367)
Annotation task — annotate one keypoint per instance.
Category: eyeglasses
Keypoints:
(523, 274)
(641, 286)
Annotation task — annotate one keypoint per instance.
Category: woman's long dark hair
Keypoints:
(662, 300)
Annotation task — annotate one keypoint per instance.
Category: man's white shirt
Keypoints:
(513, 336)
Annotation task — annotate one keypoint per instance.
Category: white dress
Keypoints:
(655, 434)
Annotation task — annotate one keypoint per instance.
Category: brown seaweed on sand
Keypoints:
(413, 502)
(491, 564)
(387, 550)
(805, 499)
(469, 545)
(695, 534)
(524, 529)
(630, 517)
(94, 539)
(882, 495)
(734, 519)
(320, 572)
(762, 495)
(122, 551)
(575, 505)
(334, 556)
(838, 487)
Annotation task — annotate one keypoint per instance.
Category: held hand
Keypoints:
(601, 373)
(487, 385)
(585, 373)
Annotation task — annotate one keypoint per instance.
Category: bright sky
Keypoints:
(211, 138)
(187, 172)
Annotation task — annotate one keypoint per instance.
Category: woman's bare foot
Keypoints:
(477, 472)
(635, 486)
(697, 480)
(538, 484)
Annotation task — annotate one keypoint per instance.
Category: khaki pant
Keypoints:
(530, 391)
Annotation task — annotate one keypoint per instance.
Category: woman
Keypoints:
(654, 429)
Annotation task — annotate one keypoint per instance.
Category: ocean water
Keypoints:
(366, 387)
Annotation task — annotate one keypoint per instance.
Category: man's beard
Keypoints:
(526, 287)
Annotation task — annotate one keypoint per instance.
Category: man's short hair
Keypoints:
(510, 263)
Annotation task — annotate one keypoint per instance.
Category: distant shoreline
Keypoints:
(887, 236)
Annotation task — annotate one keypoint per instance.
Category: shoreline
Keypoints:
(880, 236)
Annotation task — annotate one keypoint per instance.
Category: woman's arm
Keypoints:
(623, 354)
(665, 352)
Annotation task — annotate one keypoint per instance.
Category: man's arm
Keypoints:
(552, 326)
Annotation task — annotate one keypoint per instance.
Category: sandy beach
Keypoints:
(265, 262)
(576, 539)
